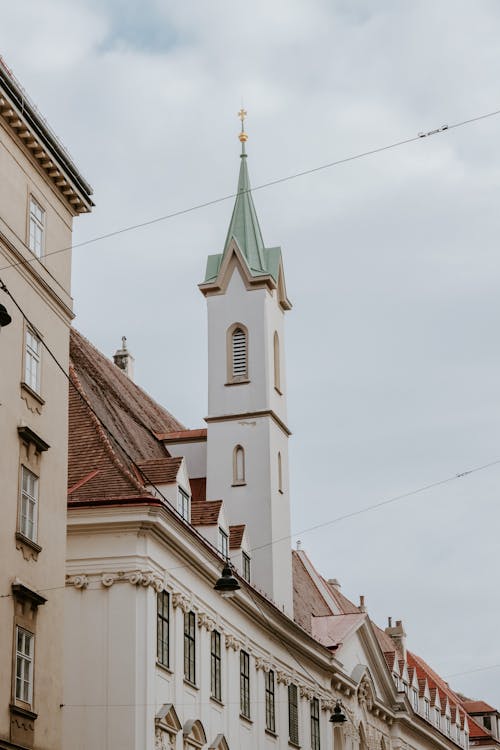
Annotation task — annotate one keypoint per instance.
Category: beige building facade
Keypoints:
(41, 192)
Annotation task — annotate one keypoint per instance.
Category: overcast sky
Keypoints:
(392, 261)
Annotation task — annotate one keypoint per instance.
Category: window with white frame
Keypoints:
(36, 227)
(28, 505)
(246, 566)
(270, 701)
(448, 726)
(427, 708)
(223, 543)
(415, 699)
(437, 716)
(184, 504)
(24, 665)
(245, 684)
(32, 357)
(215, 665)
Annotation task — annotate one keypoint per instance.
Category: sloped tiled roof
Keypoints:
(198, 488)
(236, 535)
(479, 707)
(205, 512)
(160, 470)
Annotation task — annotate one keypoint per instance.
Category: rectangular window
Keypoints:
(223, 543)
(315, 739)
(24, 665)
(245, 684)
(437, 713)
(487, 722)
(448, 726)
(246, 567)
(162, 628)
(28, 504)
(189, 647)
(427, 709)
(215, 665)
(293, 714)
(415, 699)
(32, 352)
(270, 707)
(37, 224)
(184, 505)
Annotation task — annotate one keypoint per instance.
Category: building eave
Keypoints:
(21, 119)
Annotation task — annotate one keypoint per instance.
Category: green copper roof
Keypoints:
(244, 225)
(244, 228)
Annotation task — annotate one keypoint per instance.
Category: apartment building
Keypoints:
(41, 192)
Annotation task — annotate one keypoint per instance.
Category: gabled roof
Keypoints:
(478, 707)
(236, 535)
(160, 470)
(205, 512)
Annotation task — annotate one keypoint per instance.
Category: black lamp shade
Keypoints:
(338, 716)
(227, 583)
(5, 318)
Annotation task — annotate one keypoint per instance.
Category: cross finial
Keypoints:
(243, 136)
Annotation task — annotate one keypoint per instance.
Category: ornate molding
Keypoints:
(182, 601)
(79, 582)
(283, 678)
(263, 664)
(107, 579)
(306, 692)
(164, 740)
(205, 621)
(232, 642)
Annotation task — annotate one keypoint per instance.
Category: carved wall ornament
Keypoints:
(327, 704)
(263, 664)
(365, 694)
(232, 642)
(108, 579)
(205, 621)
(306, 692)
(182, 601)
(283, 678)
(80, 582)
(164, 740)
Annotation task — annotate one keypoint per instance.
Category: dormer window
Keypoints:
(237, 354)
(246, 566)
(437, 714)
(415, 699)
(427, 708)
(448, 726)
(184, 504)
(223, 543)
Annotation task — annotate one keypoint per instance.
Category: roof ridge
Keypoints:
(101, 433)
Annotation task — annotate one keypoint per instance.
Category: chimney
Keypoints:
(299, 545)
(335, 583)
(398, 635)
(124, 360)
(362, 607)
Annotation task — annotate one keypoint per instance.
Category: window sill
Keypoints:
(164, 667)
(217, 701)
(190, 684)
(291, 743)
(239, 484)
(27, 713)
(271, 733)
(247, 719)
(29, 390)
(28, 547)
(245, 381)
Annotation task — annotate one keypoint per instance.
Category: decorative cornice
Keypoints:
(182, 601)
(264, 664)
(283, 678)
(251, 415)
(108, 578)
(232, 642)
(205, 621)
(306, 692)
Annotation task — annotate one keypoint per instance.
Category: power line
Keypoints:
(262, 186)
(471, 671)
(381, 503)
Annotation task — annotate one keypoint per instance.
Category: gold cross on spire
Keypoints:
(242, 115)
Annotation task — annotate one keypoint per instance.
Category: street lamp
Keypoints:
(227, 585)
(5, 318)
(338, 716)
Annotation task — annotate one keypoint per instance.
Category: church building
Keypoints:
(189, 621)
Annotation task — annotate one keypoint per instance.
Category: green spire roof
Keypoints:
(244, 225)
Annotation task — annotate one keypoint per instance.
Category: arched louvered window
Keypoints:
(276, 353)
(238, 465)
(237, 354)
(280, 474)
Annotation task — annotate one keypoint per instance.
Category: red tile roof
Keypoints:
(205, 512)
(183, 436)
(160, 470)
(198, 488)
(479, 707)
(236, 536)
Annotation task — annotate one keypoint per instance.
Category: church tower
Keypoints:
(247, 440)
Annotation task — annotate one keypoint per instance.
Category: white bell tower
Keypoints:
(247, 442)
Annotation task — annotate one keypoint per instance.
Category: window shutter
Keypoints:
(239, 353)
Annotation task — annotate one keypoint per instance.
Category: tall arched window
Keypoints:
(237, 354)
(238, 465)
(280, 474)
(276, 352)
